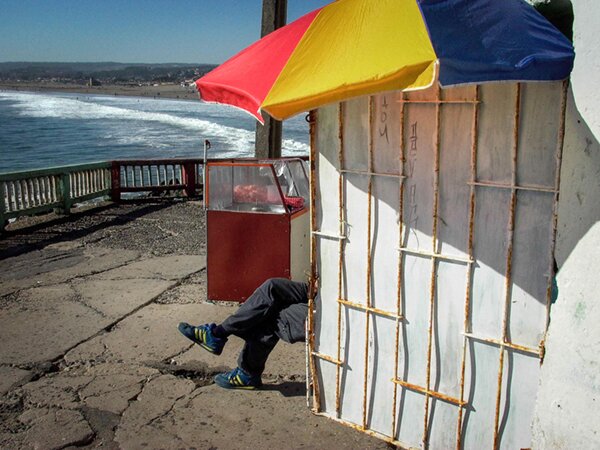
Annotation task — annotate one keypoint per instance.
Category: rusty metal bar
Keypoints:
(372, 174)
(434, 245)
(472, 204)
(370, 309)
(328, 358)
(441, 102)
(369, 262)
(558, 158)
(435, 255)
(521, 348)
(306, 366)
(341, 256)
(430, 393)
(313, 262)
(533, 188)
(400, 284)
(509, 253)
(329, 235)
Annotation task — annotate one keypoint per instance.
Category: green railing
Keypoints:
(58, 188)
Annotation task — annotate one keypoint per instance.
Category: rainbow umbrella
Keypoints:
(351, 48)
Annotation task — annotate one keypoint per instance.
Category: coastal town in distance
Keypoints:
(170, 80)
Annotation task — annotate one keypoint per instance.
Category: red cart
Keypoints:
(257, 225)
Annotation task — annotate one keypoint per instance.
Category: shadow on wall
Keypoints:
(559, 13)
(578, 206)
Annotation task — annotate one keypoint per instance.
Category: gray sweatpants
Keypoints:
(276, 310)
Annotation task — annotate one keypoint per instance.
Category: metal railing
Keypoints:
(156, 176)
(57, 188)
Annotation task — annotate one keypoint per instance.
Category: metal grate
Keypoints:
(504, 342)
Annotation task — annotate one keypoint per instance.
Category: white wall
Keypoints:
(367, 268)
(567, 411)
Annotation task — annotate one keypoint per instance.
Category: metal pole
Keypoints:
(341, 246)
(268, 136)
(314, 276)
(472, 205)
(434, 264)
(509, 260)
(400, 287)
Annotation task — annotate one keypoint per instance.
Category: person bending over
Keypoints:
(276, 310)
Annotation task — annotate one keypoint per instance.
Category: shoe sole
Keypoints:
(230, 386)
(207, 348)
(200, 343)
(227, 385)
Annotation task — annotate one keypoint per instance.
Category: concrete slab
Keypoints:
(55, 429)
(138, 384)
(12, 376)
(53, 265)
(149, 335)
(184, 293)
(211, 417)
(114, 386)
(59, 390)
(44, 323)
(163, 268)
(157, 400)
(117, 298)
(105, 387)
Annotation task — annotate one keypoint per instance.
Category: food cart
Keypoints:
(257, 224)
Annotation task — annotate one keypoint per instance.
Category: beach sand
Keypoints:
(170, 91)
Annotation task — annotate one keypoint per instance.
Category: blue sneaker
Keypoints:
(238, 379)
(202, 335)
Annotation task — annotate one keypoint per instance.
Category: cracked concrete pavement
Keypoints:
(91, 357)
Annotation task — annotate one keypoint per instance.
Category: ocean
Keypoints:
(39, 130)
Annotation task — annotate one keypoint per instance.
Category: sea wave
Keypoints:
(235, 139)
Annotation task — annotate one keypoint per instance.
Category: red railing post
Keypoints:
(115, 181)
(189, 177)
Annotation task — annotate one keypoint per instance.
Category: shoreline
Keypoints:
(167, 91)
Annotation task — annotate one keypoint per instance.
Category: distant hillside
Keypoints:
(105, 72)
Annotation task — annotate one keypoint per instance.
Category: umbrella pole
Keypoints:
(268, 136)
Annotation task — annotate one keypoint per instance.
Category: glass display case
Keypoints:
(257, 224)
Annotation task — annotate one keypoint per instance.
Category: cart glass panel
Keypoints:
(292, 176)
(244, 188)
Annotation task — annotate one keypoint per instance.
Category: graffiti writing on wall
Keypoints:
(412, 192)
(383, 116)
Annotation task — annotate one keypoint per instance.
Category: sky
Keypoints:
(132, 31)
